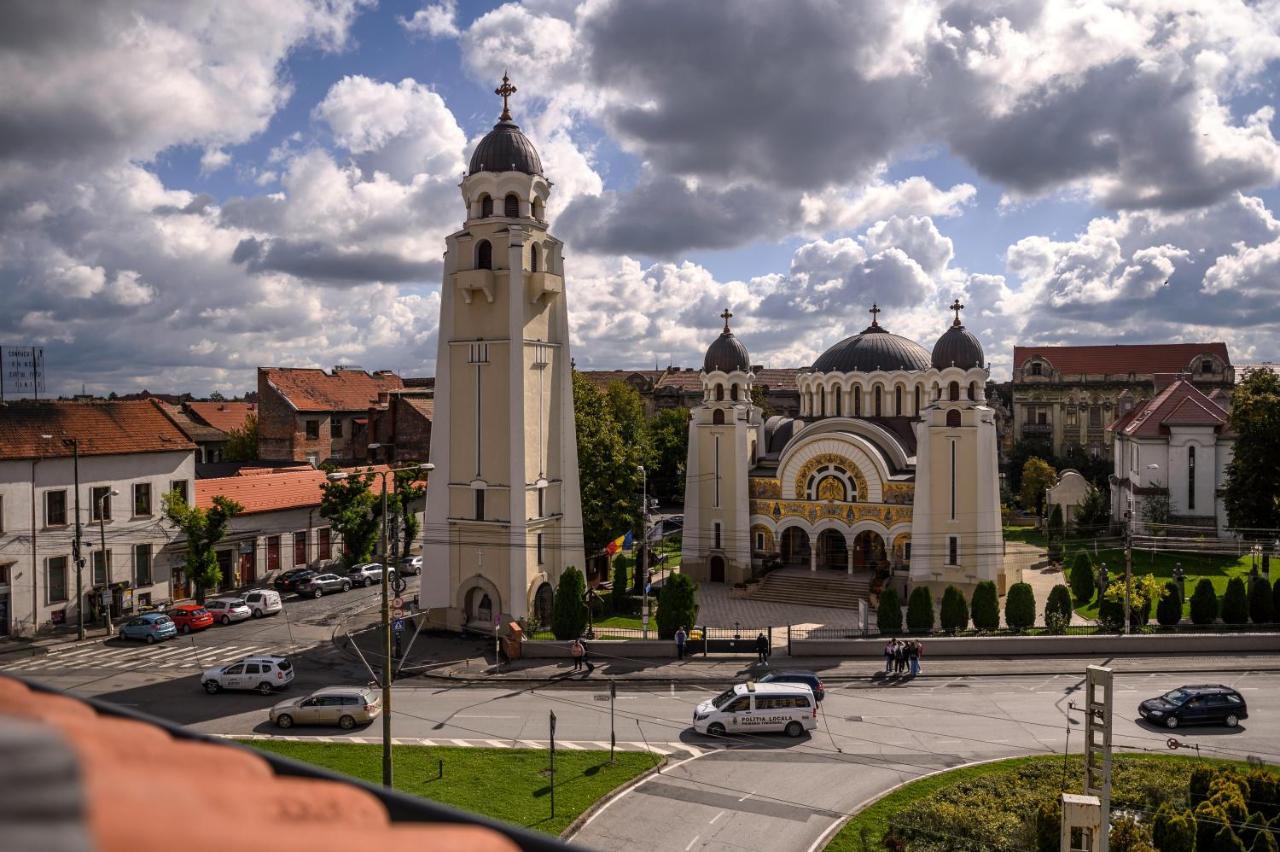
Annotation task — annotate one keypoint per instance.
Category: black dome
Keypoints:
(957, 348)
(726, 354)
(873, 349)
(506, 149)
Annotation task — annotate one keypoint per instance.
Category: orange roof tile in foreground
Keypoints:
(310, 389)
(102, 428)
(271, 490)
(223, 416)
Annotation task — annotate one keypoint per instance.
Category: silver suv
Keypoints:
(368, 573)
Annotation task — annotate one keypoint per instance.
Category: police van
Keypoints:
(758, 708)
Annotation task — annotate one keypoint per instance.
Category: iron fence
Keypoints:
(853, 632)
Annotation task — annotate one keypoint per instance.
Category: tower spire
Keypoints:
(506, 90)
(726, 316)
(957, 307)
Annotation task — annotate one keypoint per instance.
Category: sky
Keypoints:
(191, 190)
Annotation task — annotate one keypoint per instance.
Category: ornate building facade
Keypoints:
(892, 461)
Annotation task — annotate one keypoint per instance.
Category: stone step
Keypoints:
(829, 590)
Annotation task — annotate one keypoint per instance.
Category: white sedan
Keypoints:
(227, 610)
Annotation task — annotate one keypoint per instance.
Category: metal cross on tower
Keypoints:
(506, 90)
(875, 311)
(726, 316)
(957, 307)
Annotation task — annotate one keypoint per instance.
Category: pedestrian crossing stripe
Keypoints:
(98, 656)
(448, 742)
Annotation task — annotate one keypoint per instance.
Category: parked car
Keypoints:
(322, 584)
(367, 573)
(809, 679)
(344, 706)
(188, 617)
(1206, 704)
(262, 674)
(411, 565)
(263, 602)
(756, 708)
(150, 627)
(286, 582)
(227, 610)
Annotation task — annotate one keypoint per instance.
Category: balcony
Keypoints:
(469, 281)
(1038, 429)
(544, 283)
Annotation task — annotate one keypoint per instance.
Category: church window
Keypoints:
(897, 401)
(878, 394)
(953, 550)
(822, 402)
(953, 392)
(542, 502)
(511, 206)
(1042, 417)
(479, 492)
(733, 392)
(717, 417)
(486, 206)
(716, 528)
(1191, 478)
(1037, 369)
(839, 402)
(1071, 415)
(953, 482)
(973, 391)
(484, 255)
(719, 392)
(953, 419)
(917, 408)
(857, 402)
(533, 258)
(717, 466)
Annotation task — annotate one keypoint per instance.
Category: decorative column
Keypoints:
(848, 552)
(813, 556)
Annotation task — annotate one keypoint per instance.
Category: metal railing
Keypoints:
(872, 632)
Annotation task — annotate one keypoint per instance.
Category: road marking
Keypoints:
(463, 743)
(530, 743)
(716, 817)
(694, 750)
(691, 842)
(426, 742)
(748, 796)
(499, 743)
(575, 747)
(599, 743)
(468, 716)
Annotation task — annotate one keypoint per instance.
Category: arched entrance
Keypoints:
(795, 547)
(717, 569)
(868, 550)
(542, 601)
(479, 606)
(833, 552)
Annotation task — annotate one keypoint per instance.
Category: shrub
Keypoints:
(889, 613)
(955, 610)
(1261, 609)
(677, 605)
(1275, 597)
(618, 594)
(1169, 610)
(1059, 602)
(1111, 614)
(1020, 607)
(1173, 829)
(1048, 827)
(1055, 528)
(920, 610)
(1082, 585)
(1235, 603)
(1129, 835)
(568, 610)
(1204, 603)
(986, 606)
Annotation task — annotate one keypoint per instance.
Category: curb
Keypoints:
(599, 804)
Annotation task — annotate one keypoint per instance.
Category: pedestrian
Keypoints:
(899, 656)
(888, 656)
(586, 659)
(762, 648)
(919, 655)
(577, 650)
(913, 657)
(681, 638)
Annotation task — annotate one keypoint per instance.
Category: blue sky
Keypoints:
(194, 190)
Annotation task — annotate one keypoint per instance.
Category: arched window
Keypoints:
(1191, 478)
(533, 258)
(953, 391)
(916, 410)
(511, 206)
(717, 417)
(953, 418)
(877, 400)
(719, 392)
(973, 390)
(733, 392)
(484, 255)
(486, 206)
(822, 402)
(839, 402)
(897, 401)
(857, 402)
(537, 208)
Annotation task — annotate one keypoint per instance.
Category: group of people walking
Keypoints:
(903, 657)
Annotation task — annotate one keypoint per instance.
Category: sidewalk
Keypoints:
(24, 647)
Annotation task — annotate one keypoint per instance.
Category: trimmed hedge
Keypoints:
(568, 609)
(1204, 603)
(955, 609)
(1020, 607)
(1057, 609)
(1169, 609)
(1235, 602)
(1261, 608)
(1082, 585)
(889, 613)
(920, 610)
(985, 606)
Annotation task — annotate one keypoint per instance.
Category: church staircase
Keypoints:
(824, 587)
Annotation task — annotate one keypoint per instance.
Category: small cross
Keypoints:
(875, 309)
(957, 307)
(726, 316)
(506, 90)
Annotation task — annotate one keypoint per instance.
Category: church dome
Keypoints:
(726, 353)
(957, 347)
(505, 148)
(873, 349)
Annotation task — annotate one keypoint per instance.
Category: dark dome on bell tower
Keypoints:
(957, 347)
(505, 148)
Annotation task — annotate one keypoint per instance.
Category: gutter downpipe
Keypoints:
(35, 559)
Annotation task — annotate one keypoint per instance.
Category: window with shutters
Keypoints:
(511, 206)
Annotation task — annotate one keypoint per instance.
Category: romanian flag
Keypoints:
(622, 542)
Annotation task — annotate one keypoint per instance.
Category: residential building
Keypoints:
(400, 423)
(130, 448)
(1066, 395)
(308, 415)
(207, 424)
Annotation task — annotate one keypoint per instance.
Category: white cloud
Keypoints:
(214, 159)
(435, 20)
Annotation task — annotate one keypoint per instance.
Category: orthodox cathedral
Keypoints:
(891, 465)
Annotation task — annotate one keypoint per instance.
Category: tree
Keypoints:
(568, 607)
(669, 436)
(1111, 613)
(760, 399)
(242, 441)
(1055, 530)
(1048, 826)
(1261, 608)
(955, 610)
(1235, 602)
(1173, 829)
(408, 492)
(986, 606)
(1082, 585)
(920, 610)
(677, 605)
(1023, 450)
(203, 528)
(1155, 510)
(1275, 597)
(609, 479)
(1204, 603)
(1252, 493)
(1129, 835)
(1093, 515)
(1057, 609)
(618, 594)
(889, 613)
(1169, 610)
(353, 512)
(1037, 476)
(1020, 607)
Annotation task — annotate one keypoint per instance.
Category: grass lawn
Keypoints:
(512, 785)
(1030, 535)
(1135, 778)
(1218, 569)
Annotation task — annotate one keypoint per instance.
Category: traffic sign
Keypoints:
(398, 625)
(397, 613)
(398, 603)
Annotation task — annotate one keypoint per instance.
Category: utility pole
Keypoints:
(1097, 743)
(1128, 572)
(77, 547)
(106, 562)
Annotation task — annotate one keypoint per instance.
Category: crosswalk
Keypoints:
(177, 654)
(677, 749)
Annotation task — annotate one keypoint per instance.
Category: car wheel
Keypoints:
(211, 687)
(1171, 722)
(284, 720)
(1232, 720)
(715, 729)
(151, 639)
(257, 613)
(794, 729)
(264, 688)
(225, 620)
(317, 593)
(346, 587)
(346, 723)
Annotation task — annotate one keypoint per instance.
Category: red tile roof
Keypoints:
(192, 428)
(426, 406)
(273, 490)
(343, 390)
(1143, 359)
(102, 428)
(223, 416)
(1180, 404)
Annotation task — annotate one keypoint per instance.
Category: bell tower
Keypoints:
(504, 517)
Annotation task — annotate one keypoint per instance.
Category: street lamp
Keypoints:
(106, 563)
(76, 545)
(338, 476)
(644, 544)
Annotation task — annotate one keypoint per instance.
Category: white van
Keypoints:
(263, 602)
(758, 707)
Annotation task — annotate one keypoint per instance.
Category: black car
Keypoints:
(284, 581)
(297, 581)
(1207, 704)
(809, 679)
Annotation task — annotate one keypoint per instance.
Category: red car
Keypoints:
(190, 617)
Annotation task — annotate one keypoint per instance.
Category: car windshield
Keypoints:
(162, 619)
(199, 612)
(1176, 696)
(723, 698)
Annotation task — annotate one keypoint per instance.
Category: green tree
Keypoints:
(1057, 609)
(1129, 835)
(354, 512)
(1020, 607)
(1111, 613)
(1082, 585)
(242, 442)
(569, 607)
(985, 606)
(1023, 450)
(1055, 530)
(1156, 511)
(920, 610)
(760, 398)
(203, 529)
(1037, 475)
(1261, 608)
(889, 613)
(609, 478)
(1275, 597)
(1169, 610)
(409, 490)
(618, 594)
(1252, 493)
(1093, 515)
(1048, 826)
(669, 437)
(1173, 829)
(955, 610)
(677, 605)
(1235, 602)
(1204, 603)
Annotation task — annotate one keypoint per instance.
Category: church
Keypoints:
(890, 469)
